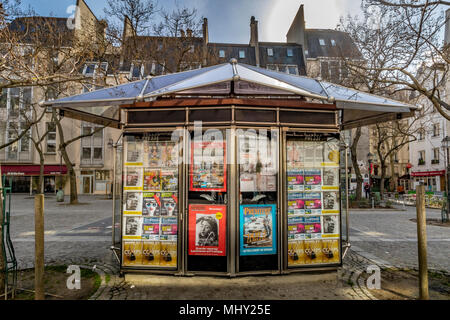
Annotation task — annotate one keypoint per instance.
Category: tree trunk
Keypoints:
(392, 182)
(359, 178)
(383, 177)
(2, 261)
(72, 177)
(41, 172)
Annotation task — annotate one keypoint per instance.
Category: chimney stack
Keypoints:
(189, 33)
(182, 33)
(205, 31)
(253, 32)
(447, 28)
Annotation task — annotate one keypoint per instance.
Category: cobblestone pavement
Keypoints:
(390, 238)
(81, 234)
(74, 234)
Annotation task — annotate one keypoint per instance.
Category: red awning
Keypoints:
(428, 173)
(32, 170)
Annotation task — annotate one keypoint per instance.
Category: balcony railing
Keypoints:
(421, 162)
(435, 161)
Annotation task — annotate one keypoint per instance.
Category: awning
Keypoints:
(427, 173)
(237, 80)
(32, 170)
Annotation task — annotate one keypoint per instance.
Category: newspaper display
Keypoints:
(208, 166)
(257, 163)
(150, 203)
(313, 203)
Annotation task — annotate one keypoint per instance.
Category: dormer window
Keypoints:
(241, 54)
(222, 53)
(290, 52)
(322, 42)
(270, 52)
(333, 42)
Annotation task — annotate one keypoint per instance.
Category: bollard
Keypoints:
(39, 247)
(422, 242)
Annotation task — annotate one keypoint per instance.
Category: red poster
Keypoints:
(208, 166)
(207, 230)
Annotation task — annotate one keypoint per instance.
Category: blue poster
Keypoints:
(258, 229)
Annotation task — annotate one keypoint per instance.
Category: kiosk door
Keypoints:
(257, 155)
(313, 206)
(208, 197)
(151, 201)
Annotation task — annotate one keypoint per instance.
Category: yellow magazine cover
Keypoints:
(330, 250)
(168, 254)
(296, 253)
(313, 251)
(132, 253)
(151, 253)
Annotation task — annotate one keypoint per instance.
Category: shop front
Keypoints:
(24, 178)
(230, 170)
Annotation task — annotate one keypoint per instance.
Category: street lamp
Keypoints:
(445, 146)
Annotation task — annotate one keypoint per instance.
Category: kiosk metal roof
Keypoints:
(233, 79)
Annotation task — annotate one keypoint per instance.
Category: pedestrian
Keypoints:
(367, 190)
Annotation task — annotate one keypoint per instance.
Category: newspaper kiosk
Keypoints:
(231, 169)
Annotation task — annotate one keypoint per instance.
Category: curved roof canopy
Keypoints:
(230, 79)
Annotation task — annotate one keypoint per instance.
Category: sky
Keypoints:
(229, 20)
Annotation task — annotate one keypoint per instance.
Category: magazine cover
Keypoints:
(313, 251)
(169, 204)
(132, 202)
(151, 180)
(313, 201)
(151, 253)
(169, 228)
(295, 156)
(312, 177)
(300, 228)
(151, 229)
(154, 153)
(330, 251)
(247, 182)
(168, 254)
(257, 229)
(296, 254)
(208, 166)
(207, 230)
(133, 153)
(169, 155)
(295, 180)
(132, 227)
(331, 152)
(265, 182)
(331, 201)
(133, 178)
(151, 206)
(309, 148)
(330, 225)
(169, 180)
(331, 177)
(132, 253)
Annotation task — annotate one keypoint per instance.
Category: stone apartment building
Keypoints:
(311, 52)
(91, 156)
(428, 155)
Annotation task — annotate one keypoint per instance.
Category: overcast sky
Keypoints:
(229, 20)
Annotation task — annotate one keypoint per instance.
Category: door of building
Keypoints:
(86, 184)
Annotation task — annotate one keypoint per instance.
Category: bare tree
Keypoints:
(354, 158)
(400, 44)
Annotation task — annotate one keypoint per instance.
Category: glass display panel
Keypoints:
(258, 174)
(313, 202)
(207, 201)
(150, 201)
